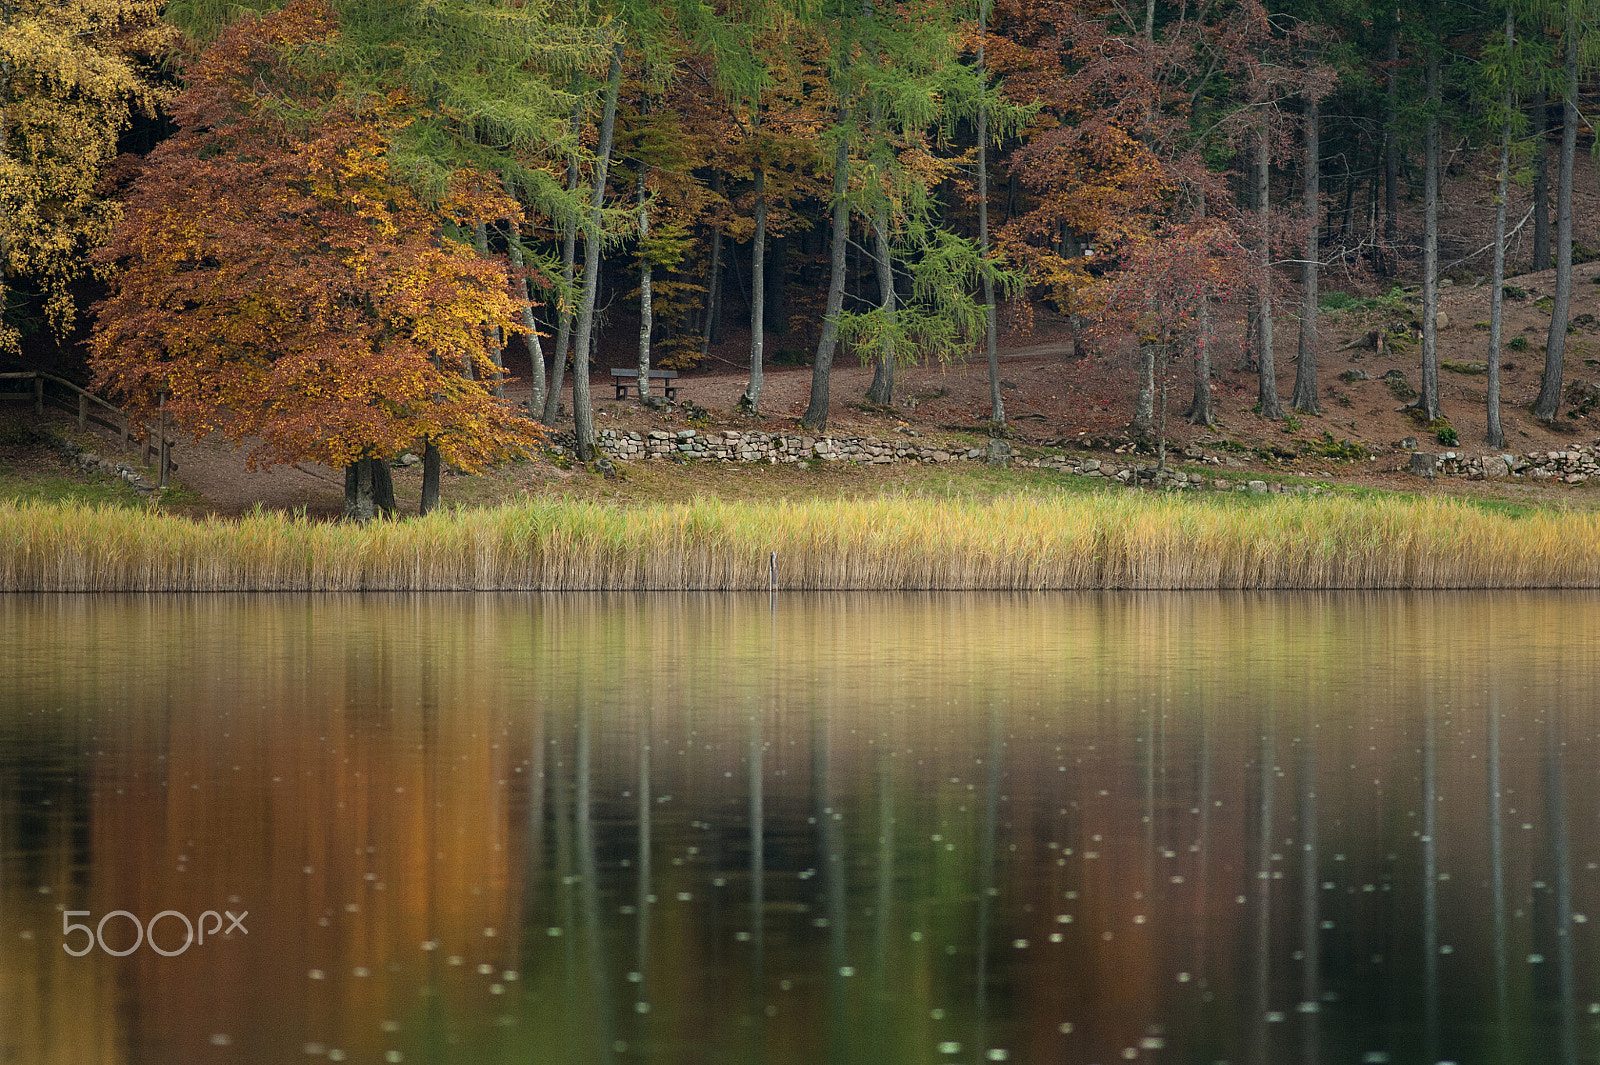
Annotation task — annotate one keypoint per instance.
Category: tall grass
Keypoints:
(1116, 540)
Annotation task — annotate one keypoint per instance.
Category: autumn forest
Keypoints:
(335, 232)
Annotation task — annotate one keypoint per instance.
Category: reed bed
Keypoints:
(1116, 540)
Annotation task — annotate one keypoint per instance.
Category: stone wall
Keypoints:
(1573, 466)
(731, 445)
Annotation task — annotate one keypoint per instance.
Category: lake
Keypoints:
(852, 828)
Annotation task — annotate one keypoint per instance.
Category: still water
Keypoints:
(816, 829)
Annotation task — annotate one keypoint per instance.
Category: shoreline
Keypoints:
(1017, 542)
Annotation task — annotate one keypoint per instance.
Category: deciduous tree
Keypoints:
(277, 282)
(72, 75)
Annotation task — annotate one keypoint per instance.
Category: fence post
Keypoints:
(127, 426)
(83, 411)
(38, 396)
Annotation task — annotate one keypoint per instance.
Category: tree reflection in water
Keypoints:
(807, 829)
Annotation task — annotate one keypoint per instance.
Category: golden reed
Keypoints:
(1025, 541)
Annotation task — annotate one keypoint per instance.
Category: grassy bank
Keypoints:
(1020, 541)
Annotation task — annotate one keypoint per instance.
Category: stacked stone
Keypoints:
(1572, 466)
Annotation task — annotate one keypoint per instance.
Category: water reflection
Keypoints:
(825, 829)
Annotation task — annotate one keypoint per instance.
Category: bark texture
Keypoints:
(1304, 398)
(1549, 400)
(1266, 370)
(430, 478)
(1495, 434)
(816, 416)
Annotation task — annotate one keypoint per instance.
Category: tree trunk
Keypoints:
(430, 478)
(360, 505)
(1266, 371)
(491, 333)
(569, 256)
(1391, 153)
(1143, 425)
(714, 282)
(1541, 182)
(646, 310)
(582, 412)
(1202, 409)
(383, 487)
(1304, 398)
(991, 343)
(816, 416)
(1549, 401)
(535, 349)
(882, 390)
(1496, 435)
(1428, 402)
(751, 400)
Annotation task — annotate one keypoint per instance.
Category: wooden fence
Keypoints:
(91, 408)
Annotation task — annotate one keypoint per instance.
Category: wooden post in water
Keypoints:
(772, 572)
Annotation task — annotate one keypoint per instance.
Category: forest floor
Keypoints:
(1053, 400)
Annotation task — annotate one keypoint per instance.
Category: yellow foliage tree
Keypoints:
(72, 74)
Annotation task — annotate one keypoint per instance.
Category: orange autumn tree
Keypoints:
(277, 283)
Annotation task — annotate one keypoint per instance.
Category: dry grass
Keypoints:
(1022, 541)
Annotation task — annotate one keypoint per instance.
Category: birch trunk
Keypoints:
(582, 412)
(1304, 398)
(1549, 401)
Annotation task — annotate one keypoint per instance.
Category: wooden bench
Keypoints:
(626, 379)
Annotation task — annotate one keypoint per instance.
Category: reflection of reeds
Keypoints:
(1014, 542)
